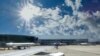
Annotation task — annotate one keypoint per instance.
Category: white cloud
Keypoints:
(74, 5)
(90, 20)
(51, 13)
(52, 19)
(70, 4)
(53, 23)
(78, 4)
(97, 14)
(30, 13)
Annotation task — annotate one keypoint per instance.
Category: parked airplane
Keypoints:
(17, 41)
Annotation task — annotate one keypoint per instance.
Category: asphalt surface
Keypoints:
(26, 52)
(78, 50)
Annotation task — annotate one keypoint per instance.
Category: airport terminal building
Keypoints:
(50, 40)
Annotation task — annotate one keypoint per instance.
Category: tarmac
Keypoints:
(77, 50)
(25, 52)
(68, 50)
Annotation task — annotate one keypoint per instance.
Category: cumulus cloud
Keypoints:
(49, 21)
(29, 15)
(91, 20)
(97, 14)
(74, 5)
(70, 3)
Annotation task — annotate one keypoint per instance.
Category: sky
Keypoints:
(50, 17)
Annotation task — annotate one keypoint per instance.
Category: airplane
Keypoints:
(17, 41)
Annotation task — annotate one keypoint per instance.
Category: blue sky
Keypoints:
(50, 17)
